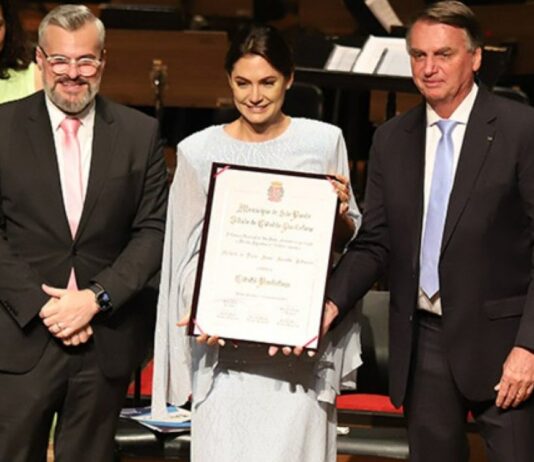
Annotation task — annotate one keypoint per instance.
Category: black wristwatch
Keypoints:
(102, 297)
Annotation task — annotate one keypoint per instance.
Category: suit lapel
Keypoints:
(39, 130)
(478, 137)
(104, 140)
(413, 172)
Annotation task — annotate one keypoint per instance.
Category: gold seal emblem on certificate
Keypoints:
(275, 193)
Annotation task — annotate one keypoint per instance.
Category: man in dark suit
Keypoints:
(83, 194)
(449, 215)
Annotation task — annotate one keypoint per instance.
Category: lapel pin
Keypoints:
(490, 138)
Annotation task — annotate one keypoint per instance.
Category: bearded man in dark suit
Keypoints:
(83, 194)
(449, 215)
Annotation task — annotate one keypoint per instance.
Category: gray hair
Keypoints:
(455, 14)
(71, 18)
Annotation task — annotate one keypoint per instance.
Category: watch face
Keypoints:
(104, 301)
(102, 297)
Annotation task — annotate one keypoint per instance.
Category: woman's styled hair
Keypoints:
(17, 52)
(264, 41)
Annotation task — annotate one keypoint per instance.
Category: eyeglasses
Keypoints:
(60, 65)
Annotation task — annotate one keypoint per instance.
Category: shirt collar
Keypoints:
(57, 115)
(462, 112)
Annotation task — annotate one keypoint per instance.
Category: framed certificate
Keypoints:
(264, 257)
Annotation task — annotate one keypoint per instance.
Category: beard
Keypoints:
(72, 106)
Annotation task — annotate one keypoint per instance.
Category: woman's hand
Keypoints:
(342, 188)
(203, 338)
(297, 351)
(344, 228)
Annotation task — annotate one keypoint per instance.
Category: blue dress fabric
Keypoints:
(247, 405)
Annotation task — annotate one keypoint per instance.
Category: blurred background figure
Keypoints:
(19, 75)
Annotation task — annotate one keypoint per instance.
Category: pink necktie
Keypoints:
(72, 181)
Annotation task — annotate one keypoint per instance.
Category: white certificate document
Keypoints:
(265, 255)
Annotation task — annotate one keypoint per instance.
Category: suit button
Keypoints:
(74, 251)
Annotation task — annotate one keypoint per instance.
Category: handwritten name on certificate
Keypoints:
(264, 256)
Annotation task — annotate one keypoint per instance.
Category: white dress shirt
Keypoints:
(433, 135)
(85, 138)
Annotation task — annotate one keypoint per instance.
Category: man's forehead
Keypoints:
(434, 35)
(431, 49)
(85, 37)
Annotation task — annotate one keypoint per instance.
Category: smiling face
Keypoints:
(258, 90)
(443, 65)
(70, 92)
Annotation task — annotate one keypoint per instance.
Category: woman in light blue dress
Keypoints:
(252, 403)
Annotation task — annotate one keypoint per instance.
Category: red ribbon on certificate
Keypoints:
(221, 170)
(198, 327)
(309, 342)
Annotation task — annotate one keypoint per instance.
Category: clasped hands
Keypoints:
(67, 314)
(330, 313)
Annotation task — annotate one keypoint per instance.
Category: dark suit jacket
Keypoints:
(118, 242)
(487, 256)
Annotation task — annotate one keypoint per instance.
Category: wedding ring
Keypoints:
(59, 326)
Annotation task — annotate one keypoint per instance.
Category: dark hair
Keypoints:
(16, 53)
(264, 41)
(455, 14)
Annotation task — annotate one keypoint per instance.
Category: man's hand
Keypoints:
(517, 380)
(330, 313)
(68, 311)
(82, 336)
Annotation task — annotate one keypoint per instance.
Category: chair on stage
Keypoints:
(304, 100)
(376, 428)
(513, 93)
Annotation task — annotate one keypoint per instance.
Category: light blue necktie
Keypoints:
(438, 202)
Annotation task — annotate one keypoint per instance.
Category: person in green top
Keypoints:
(19, 76)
